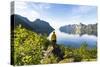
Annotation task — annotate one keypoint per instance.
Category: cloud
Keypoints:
(23, 9)
(31, 10)
(20, 5)
(39, 6)
(31, 15)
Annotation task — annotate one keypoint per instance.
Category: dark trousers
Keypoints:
(54, 43)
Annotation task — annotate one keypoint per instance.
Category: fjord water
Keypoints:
(74, 40)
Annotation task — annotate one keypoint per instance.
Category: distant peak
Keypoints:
(38, 19)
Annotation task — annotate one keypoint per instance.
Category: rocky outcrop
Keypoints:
(80, 29)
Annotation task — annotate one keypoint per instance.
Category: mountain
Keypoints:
(41, 26)
(17, 19)
(80, 29)
(38, 26)
(67, 28)
(89, 29)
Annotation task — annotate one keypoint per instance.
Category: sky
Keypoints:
(57, 14)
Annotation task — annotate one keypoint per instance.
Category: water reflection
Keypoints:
(74, 40)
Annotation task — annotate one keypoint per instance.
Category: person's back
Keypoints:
(57, 51)
(53, 39)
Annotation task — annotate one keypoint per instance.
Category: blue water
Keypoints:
(75, 40)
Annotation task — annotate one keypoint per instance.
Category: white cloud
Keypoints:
(22, 9)
(20, 5)
(31, 15)
(31, 10)
(40, 6)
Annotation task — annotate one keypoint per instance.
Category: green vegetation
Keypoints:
(79, 54)
(28, 48)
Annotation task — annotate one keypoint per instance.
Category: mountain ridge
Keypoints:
(38, 26)
(80, 29)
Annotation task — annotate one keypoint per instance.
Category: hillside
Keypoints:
(30, 48)
(41, 26)
(38, 26)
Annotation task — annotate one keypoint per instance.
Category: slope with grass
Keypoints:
(28, 48)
